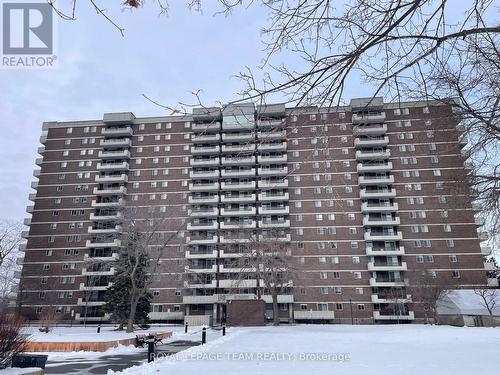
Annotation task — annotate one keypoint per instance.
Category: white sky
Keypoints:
(100, 71)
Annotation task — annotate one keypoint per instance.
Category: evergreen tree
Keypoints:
(118, 295)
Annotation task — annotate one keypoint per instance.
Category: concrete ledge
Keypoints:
(90, 346)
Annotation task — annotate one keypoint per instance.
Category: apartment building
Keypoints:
(364, 196)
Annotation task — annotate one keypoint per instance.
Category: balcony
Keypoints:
(196, 300)
(113, 257)
(403, 299)
(247, 172)
(387, 267)
(237, 185)
(237, 198)
(95, 287)
(313, 315)
(238, 160)
(207, 212)
(125, 131)
(241, 211)
(34, 185)
(284, 238)
(209, 186)
(119, 190)
(123, 177)
(368, 118)
(271, 135)
(238, 224)
(213, 225)
(486, 250)
(32, 196)
(371, 142)
(201, 254)
(367, 221)
(225, 254)
(209, 162)
(372, 207)
(266, 184)
(200, 240)
(27, 222)
(206, 128)
(41, 150)
(116, 142)
(199, 284)
(109, 272)
(492, 282)
(379, 193)
(244, 147)
(386, 283)
(36, 173)
(273, 171)
(203, 199)
(205, 138)
(201, 269)
(373, 130)
(272, 159)
(237, 137)
(107, 217)
(239, 125)
(479, 221)
(114, 243)
(24, 234)
(278, 123)
(104, 167)
(82, 302)
(223, 269)
(39, 161)
(122, 154)
(204, 174)
(376, 236)
(373, 155)
(489, 266)
(376, 180)
(263, 210)
(483, 236)
(238, 283)
(274, 223)
(374, 167)
(30, 209)
(378, 316)
(268, 146)
(266, 196)
(200, 150)
(118, 203)
(477, 206)
(110, 230)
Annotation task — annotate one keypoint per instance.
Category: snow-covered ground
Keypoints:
(339, 349)
(89, 333)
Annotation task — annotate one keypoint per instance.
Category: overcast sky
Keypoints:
(101, 71)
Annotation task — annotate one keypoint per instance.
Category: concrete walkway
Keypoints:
(101, 364)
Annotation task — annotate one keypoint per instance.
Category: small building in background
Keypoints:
(466, 308)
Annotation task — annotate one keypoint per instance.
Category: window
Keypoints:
(357, 275)
(336, 275)
(429, 258)
(447, 228)
(361, 306)
(453, 258)
(355, 260)
(419, 259)
(450, 243)
(323, 290)
(338, 306)
(323, 276)
(359, 290)
(455, 274)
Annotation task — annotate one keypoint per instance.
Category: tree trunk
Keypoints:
(120, 326)
(131, 316)
(276, 317)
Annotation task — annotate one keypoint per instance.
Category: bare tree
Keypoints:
(142, 242)
(427, 288)
(265, 257)
(12, 338)
(10, 239)
(489, 299)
